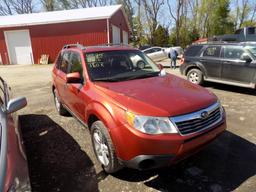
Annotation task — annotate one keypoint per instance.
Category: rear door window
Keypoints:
(212, 51)
(233, 52)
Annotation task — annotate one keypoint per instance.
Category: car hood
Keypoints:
(158, 96)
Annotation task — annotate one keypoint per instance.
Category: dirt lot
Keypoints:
(60, 154)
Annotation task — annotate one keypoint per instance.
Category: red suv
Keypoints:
(138, 115)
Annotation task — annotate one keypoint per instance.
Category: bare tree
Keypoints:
(253, 13)
(152, 9)
(49, 5)
(10, 7)
(242, 11)
(176, 15)
(5, 7)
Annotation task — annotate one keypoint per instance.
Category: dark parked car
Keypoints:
(13, 165)
(138, 116)
(228, 63)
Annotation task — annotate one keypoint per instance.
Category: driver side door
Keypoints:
(234, 68)
(74, 91)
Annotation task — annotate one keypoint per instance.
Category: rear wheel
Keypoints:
(103, 147)
(60, 108)
(195, 76)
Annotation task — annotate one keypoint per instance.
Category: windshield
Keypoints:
(252, 49)
(119, 66)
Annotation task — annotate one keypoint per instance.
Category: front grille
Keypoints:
(198, 121)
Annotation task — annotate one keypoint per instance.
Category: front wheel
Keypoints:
(195, 76)
(103, 147)
(60, 108)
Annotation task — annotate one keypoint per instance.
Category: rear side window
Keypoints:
(212, 51)
(233, 52)
(251, 30)
(64, 61)
(149, 51)
(193, 50)
(76, 63)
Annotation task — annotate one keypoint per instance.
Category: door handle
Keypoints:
(226, 62)
(66, 85)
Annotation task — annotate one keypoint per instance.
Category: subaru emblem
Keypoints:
(204, 115)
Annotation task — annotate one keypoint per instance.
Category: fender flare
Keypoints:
(106, 115)
(196, 65)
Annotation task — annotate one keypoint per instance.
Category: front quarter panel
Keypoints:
(112, 116)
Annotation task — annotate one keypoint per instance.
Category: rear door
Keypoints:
(210, 59)
(60, 78)
(234, 68)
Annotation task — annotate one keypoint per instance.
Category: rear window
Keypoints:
(251, 30)
(193, 50)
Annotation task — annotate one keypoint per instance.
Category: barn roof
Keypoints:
(93, 13)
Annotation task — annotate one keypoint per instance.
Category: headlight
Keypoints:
(222, 111)
(151, 125)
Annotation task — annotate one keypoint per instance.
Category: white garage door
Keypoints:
(125, 38)
(19, 47)
(116, 35)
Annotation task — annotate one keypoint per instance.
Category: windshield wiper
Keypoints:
(125, 78)
(107, 79)
(141, 76)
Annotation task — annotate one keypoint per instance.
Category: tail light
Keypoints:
(182, 60)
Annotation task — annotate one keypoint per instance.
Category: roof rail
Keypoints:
(79, 46)
(114, 44)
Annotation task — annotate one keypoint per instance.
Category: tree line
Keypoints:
(159, 22)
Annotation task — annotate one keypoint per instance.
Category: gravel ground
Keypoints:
(61, 158)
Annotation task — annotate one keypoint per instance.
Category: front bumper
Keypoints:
(142, 151)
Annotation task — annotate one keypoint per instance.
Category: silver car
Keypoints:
(156, 53)
(13, 164)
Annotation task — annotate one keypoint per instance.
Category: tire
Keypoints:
(59, 107)
(140, 64)
(195, 76)
(103, 148)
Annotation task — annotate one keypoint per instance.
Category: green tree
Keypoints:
(160, 36)
(220, 22)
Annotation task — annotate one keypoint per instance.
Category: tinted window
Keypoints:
(149, 51)
(251, 30)
(76, 63)
(239, 31)
(212, 51)
(64, 62)
(233, 52)
(58, 62)
(157, 49)
(193, 50)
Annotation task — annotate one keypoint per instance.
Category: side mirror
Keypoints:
(16, 104)
(160, 66)
(246, 58)
(73, 78)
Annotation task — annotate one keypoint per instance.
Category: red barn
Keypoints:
(24, 38)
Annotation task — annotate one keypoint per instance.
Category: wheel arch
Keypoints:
(196, 66)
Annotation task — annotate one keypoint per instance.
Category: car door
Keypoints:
(60, 79)
(210, 59)
(158, 53)
(74, 91)
(234, 67)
